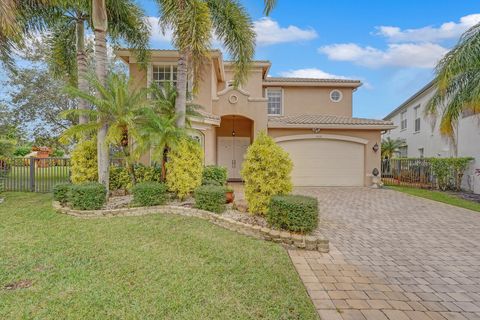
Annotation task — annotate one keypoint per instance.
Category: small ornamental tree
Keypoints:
(184, 167)
(267, 172)
(84, 162)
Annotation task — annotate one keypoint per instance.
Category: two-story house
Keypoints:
(310, 118)
(423, 139)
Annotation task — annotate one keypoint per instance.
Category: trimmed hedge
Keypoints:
(214, 175)
(148, 194)
(87, 196)
(293, 213)
(61, 192)
(210, 198)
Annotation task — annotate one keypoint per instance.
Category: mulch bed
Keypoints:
(466, 196)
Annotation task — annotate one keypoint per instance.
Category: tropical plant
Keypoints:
(193, 23)
(266, 172)
(159, 132)
(66, 38)
(184, 167)
(390, 147)
(458, 83)
(118, 106)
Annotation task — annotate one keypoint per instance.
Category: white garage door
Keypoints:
(321, 162)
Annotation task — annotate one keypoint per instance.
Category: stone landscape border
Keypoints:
(285, 238)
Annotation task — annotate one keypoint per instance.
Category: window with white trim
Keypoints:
(417, 118)
(403, 120)
(336, 95)
(274, 101)
(162, 74)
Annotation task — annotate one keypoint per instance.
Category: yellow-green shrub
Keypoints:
(184, 167)
(84, 162)
(266, 172)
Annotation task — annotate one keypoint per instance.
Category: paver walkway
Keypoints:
(393, 256)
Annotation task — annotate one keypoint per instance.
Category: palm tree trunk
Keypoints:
(181, 101)
(100, 25)
(82, 68)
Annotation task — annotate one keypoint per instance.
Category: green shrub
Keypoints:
(61, 192)
(119, 178)
(449, 171)
(148, 174)
(22, 151)
(214, 175)
(293, 213)
(266, 172)
(87, 196)
(210, 198)
(184, 167)
(147, 194)
(58, 153)
(84, 162)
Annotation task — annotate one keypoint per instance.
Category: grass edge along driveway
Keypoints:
(155, 266)
(438, 196)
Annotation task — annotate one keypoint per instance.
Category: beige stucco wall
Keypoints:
(372, 159)
(253, 84)
(315, 100)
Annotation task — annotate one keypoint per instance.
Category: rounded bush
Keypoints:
(147, 194)
(210, 198)
(87, 196)
(84, 162)
(61, 192)
(266, 172)
(214, 175)
(293, 213)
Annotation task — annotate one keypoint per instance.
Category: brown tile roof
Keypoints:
(289, 79)
(309, 119)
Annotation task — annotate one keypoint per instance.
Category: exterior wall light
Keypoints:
(376, 147)
(375, 172)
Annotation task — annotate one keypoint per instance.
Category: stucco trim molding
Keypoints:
(321, 136)
(228, 89)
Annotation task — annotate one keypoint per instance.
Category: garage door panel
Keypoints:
(319, 162)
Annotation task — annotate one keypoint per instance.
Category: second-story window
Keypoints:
(403, 120)
(274, 101)
(163, 74)
(417, 118)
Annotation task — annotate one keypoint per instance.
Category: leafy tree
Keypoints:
(117, 107)
(390, 147)
(458, 82)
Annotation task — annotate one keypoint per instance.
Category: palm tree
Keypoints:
(159, 131)
(390, 147)
(118, 106)
(458, 83)
(67, 37)
(102, 18)
(193, 23)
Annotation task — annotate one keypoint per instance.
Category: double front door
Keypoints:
(230, 154)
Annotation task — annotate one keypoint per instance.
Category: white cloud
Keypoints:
(423, 55)
(270, 32)
(156, 33)
(310, 73)
(448, 30)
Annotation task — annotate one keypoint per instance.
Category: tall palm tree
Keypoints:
(102, 19)
(193, 22)
(390, 147)
(67, 37)
(458, 83)
(118, 106)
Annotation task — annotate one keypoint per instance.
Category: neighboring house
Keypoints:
(422, 135)
(309, 118)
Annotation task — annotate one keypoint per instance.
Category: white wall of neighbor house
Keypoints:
(428, 142)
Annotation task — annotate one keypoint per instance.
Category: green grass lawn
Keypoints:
(439, 196)
(150, 267)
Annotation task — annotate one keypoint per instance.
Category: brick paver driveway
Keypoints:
(393, 256)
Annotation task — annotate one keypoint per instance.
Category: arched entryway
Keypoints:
(234, 136)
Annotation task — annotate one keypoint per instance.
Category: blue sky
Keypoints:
(391, 46)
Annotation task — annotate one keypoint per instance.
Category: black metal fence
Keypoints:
(408, 172)
(33, 174)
